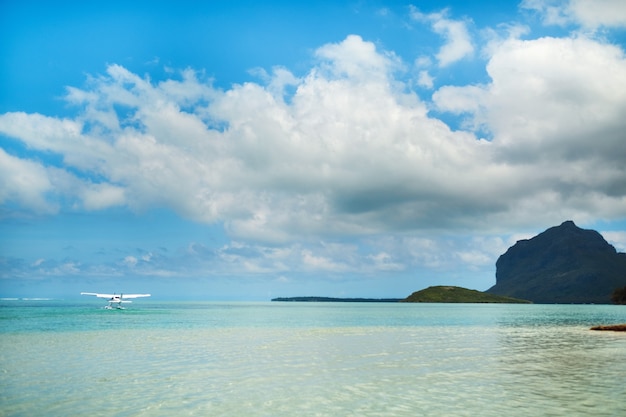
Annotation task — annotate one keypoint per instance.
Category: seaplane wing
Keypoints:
(98, 294)
(115, 295)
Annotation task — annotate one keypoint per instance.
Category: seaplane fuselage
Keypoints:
(115, 300)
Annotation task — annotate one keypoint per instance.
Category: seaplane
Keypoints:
(116, 300)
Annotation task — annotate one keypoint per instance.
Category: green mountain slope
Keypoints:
(450, 294)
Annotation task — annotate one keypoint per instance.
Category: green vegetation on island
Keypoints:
(451, 294)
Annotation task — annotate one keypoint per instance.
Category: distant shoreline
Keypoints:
(435, 294)
(339, 300)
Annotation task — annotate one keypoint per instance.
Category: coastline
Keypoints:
(337, 300)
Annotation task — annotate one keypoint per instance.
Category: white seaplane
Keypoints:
(116, 300)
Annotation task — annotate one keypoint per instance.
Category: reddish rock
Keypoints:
(614, 327)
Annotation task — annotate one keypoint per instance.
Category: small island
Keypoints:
(451, 294)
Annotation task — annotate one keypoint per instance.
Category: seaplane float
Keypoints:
(115, 300)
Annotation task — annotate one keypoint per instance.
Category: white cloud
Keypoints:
(422, 62)
(25, 183)
(458, 42)
(383, 261)
(548, 97)
(357, 60)
(100, 196)
(68, 268)
(597, 13)
(321, 263)
(552, 12)
(130, 261)
(38, 262)
(351, 152)
(425, 80)
(586, 13)
(555, 109)
(467, 99)
(481, 251)
(617, 239)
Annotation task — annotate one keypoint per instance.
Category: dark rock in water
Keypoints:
(564, 264)
(615, 328)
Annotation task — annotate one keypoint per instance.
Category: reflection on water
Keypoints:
(328, 360)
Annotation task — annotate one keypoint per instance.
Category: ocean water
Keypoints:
(310, 359)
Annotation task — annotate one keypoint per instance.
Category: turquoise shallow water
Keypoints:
(310, 359)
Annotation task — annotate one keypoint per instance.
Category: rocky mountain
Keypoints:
(564, 264)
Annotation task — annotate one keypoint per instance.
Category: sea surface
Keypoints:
(60, 358)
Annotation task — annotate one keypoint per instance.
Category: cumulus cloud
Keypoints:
(458, 42)
(425, 80)
(599, 13)
(350, 150)
(356, 60)
(588, 14)
(100, 196)
(554, 109)
(24, 183)
(550, 98)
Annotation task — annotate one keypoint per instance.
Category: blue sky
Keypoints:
(246, 150)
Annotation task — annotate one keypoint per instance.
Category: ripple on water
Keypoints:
(482, 369)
